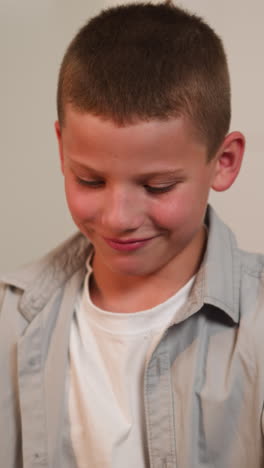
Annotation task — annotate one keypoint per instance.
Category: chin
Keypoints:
(131, 268)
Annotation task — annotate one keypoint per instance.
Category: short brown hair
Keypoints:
(146, 61)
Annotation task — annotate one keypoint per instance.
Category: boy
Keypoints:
(138, 342)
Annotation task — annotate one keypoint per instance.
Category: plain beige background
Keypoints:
(34, 35)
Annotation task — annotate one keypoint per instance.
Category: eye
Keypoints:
(90, 183)
(156, 190)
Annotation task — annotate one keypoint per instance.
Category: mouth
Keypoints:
(127, 245)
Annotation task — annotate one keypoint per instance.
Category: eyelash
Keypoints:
(148, 188)
(89, 183)
(157, 190)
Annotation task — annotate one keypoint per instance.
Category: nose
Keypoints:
(123, 211)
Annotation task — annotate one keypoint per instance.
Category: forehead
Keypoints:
(84, 132)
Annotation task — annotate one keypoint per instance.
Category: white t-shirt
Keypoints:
(108, 352)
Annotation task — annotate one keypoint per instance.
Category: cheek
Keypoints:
(81, 206)
(182, 211)
(173, 208)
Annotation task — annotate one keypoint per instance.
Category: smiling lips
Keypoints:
(127, 245)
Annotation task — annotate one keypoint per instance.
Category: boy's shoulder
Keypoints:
(252, 263)
(55, 266)
(223, 242)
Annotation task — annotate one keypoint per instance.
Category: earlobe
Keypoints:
(59, 139)
(228, 161)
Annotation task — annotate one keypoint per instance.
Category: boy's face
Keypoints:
(138, 192)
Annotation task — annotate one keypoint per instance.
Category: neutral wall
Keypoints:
(34, 35)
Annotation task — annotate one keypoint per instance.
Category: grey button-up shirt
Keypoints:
(204, 383)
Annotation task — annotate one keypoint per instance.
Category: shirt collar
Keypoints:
(218, 279)
(39, 280)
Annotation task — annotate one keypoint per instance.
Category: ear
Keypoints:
(228, 161)
(59, 139)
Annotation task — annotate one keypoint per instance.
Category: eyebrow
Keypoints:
(167, 173)
(85, 168)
